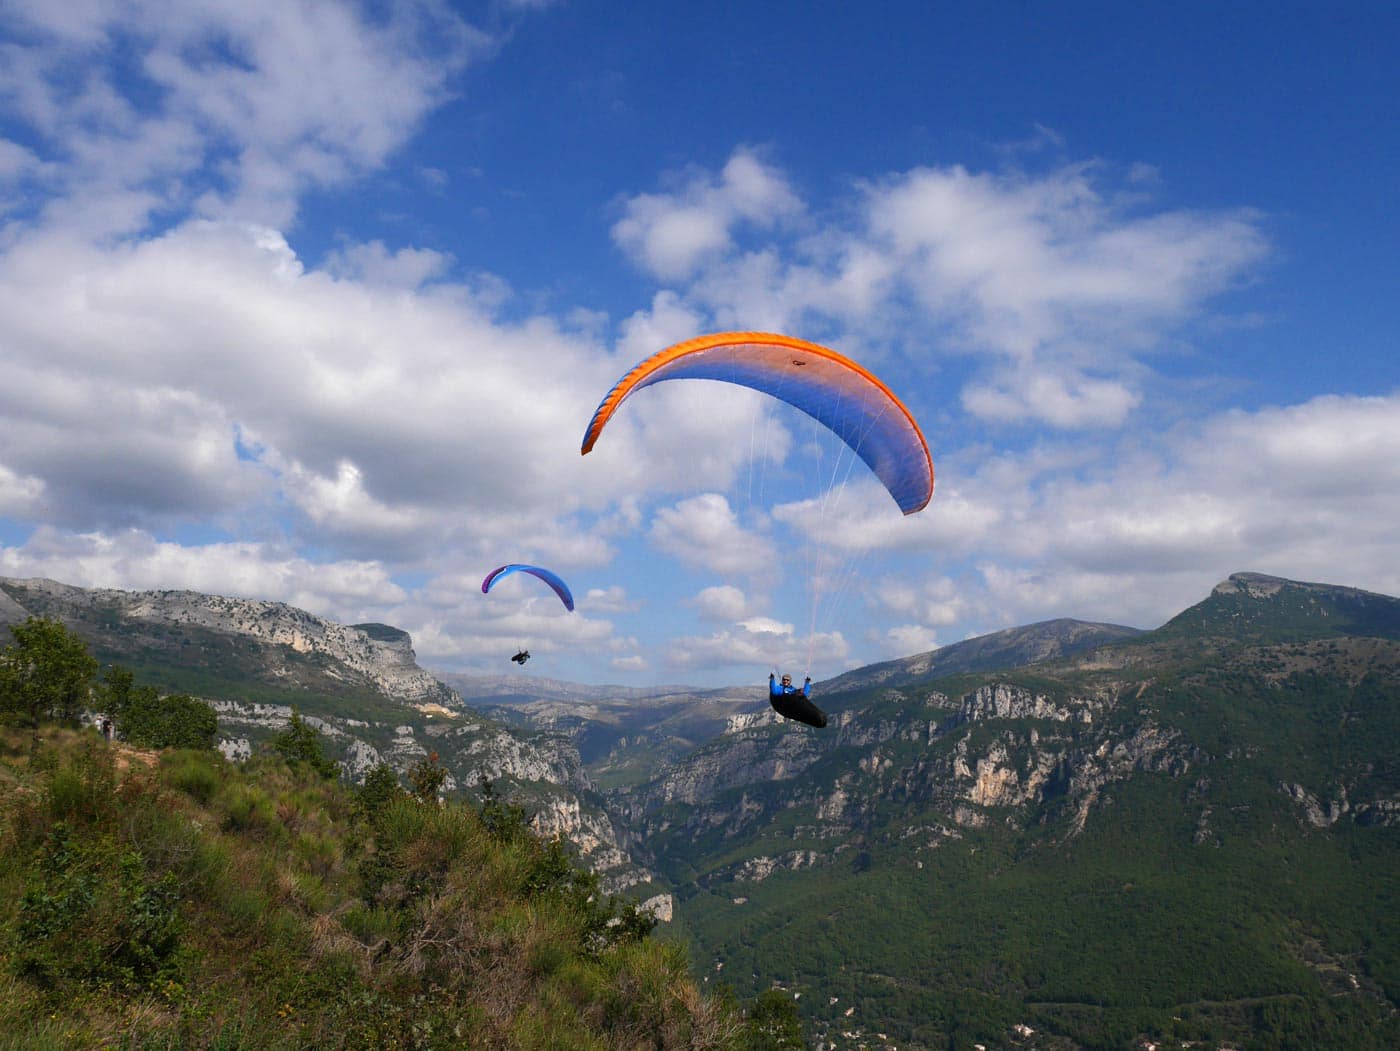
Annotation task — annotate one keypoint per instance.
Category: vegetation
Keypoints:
(170, 899)
(45, 674)
(1203, 902)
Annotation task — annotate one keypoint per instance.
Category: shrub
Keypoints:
(194, 773)
(300, 745)
(247, 809)
(79, 788)
(380, 788)
(46, 673)
(91, 916)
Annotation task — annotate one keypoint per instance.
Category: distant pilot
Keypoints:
(521, 657)
(791, 703)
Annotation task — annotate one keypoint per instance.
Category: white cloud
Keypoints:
(1061, 283)
(860, 516)
(744, 647)
(609, 600)
(205, 371)
(724, 603)
(905, 640)
(1025, 262)
(672, 234)
(1308, 491)
(20, 495)
(704, 531)
(1062, 400)
(314, 91)
(374, 264)
(135, 560)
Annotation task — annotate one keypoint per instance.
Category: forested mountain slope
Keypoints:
(1189, 833)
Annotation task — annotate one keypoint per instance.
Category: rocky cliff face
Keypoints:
(999, 753)
(373, 656)
(234, 643)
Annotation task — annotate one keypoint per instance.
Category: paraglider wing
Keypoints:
(830, 388)
(560, 588)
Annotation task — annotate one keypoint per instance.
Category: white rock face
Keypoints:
(381, 655)
(999, 701)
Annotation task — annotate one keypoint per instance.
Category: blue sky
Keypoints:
(313, 301)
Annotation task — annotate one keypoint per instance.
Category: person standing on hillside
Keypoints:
(791, 703)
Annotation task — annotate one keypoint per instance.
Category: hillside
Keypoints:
(176, 900)
(1011, 648)
(1192, 834)
(1100, 835)
(359, 685)
(236, 649)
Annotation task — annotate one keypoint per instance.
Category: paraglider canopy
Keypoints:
(830, 388)
(552, 579)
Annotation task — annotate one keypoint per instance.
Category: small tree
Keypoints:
(300, 745)
(427, 778)
(773, 1022)
(381, 787)
(115, 690)
(46, 673)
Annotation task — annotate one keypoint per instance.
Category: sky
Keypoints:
(312, 302)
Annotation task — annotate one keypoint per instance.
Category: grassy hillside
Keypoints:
(171, 899)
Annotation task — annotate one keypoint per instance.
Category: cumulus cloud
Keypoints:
(672, 233)
(704, 531)
(1022, 262)
(135, 560)
(316, 91)
(1060, 283)
(1306, 491)
(905, 640)
(724, 603)
(192, 374)
(1063, 400)
(762, 642)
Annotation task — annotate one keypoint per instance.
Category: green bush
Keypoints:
(46, 673)
(80, 786)
(247, 808)
(93, 917)
(196, 773)
(300, 745)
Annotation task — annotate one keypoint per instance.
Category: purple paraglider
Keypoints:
(552, 579)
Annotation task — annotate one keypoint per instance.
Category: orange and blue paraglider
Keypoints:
(552, 579)
(845, 397)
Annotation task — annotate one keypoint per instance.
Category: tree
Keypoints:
(427, 778)
(380, 788)
(176, 720)
(773, 1022)
(46, 673)
(300, 745)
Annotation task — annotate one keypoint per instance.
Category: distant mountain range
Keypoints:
(1063, 835)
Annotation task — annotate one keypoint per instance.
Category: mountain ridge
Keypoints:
(1212, 807)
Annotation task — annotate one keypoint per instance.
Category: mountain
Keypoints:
(1062, 835)
(1189, 834)
(359, 685)
(233, 648)
(1011, 648)
(1259, 608)
(1067, 835)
